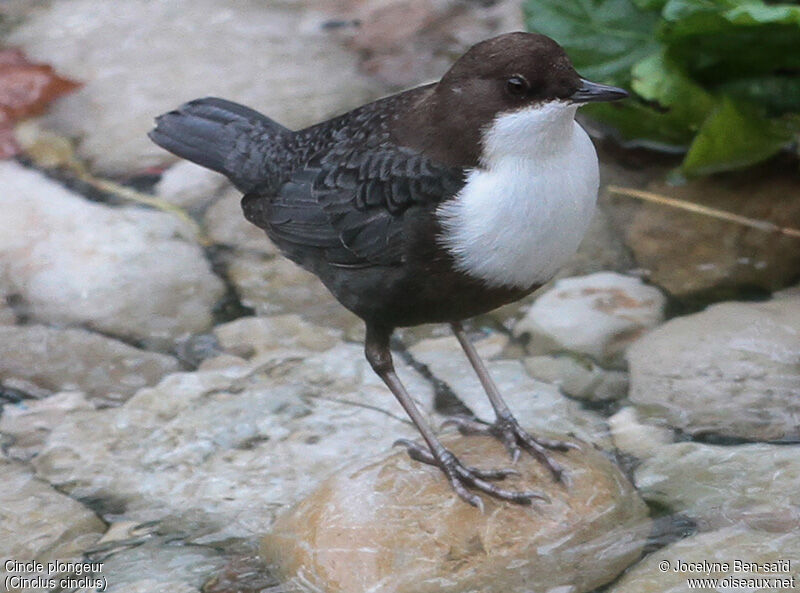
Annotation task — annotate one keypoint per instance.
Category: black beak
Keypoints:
(591, 91)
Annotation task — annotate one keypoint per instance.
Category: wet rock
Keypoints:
(227, 226)
(599, 315)
(726, 545)
(757, 485)
(159, 566)
(69, 359)
(282, 334)
(25, 426)
(275, 285)
(693, 256)
(216, 453)
(732, 370)
(40, 523)
(129, 62)
(634, 438)
(395, 525)
(580, 378)
(123, 271)
(189, 186)
(537, 405)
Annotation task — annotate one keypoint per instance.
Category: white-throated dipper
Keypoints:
(432, 205)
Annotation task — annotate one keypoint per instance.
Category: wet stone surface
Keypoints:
(392, 525)
(101, 367)
(732, 370)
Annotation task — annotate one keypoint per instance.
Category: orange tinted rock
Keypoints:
(395, 526)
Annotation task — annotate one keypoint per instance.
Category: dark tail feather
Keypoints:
(223, 136)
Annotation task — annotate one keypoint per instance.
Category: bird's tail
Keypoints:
(223, 136)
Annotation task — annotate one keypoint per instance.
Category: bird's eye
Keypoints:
(517, 85)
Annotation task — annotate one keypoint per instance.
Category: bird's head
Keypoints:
(523, 82)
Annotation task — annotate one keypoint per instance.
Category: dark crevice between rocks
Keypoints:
(230, 306)
(694, 303)
(711, 438)
(445, 401)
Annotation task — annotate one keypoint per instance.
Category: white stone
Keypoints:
(599, 315)
(634, 438)
(139, 58)
(731, 370)
(77, 359)
(124, 271)
(583, 379)
(189, 186)
(716, 486)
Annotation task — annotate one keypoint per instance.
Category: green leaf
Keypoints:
(650, 4)
(675, 109)
(734, 136)
(604, 38)
(777, 94)
(658, 79)
(716, 40)
(641, 125)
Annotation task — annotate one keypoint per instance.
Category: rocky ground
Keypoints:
(172, 390)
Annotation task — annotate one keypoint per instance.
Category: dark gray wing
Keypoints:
(351, 202)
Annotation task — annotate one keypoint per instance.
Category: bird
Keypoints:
(432, 205)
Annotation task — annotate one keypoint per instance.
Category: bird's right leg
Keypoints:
(461, 477)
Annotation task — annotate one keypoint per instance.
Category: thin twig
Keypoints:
(648, 196)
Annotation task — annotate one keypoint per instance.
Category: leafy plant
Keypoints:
(719, 79)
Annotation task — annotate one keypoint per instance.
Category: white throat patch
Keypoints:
(525, 212)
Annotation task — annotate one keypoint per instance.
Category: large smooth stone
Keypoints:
(394, 525)
(732, 370)
(128, 272)
(716, 486)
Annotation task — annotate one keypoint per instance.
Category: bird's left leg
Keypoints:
(505, 427)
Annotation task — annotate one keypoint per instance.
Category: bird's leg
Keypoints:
(461, 477)
(505, 427)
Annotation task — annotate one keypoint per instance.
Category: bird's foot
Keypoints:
(462, 476)
(515, 438)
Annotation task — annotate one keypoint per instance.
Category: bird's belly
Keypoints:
(516, 222)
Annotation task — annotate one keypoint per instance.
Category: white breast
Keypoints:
(524, 213)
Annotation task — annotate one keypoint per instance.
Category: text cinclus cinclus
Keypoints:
(433, 205)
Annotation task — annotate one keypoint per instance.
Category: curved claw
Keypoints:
(515, 438)
(461, 476)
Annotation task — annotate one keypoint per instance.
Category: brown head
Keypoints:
(500, 75)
